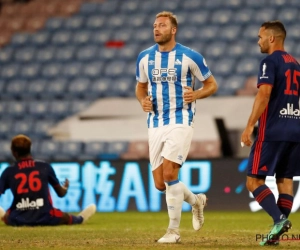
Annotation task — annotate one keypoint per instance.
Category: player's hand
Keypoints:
(188, 95)
(147, 104)
(246, 136)
(66, 184)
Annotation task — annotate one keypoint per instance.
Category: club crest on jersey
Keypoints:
(164, 74)
(264, 68)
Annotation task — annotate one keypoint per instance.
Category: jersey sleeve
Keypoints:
(141, 75)
(199, 67)
(3, 182)
(267, 72)
(53, 181)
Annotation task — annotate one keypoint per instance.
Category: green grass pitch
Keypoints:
(134, 230)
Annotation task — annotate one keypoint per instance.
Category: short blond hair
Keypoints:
(170, 15)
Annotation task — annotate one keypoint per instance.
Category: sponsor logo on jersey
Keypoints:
(264, 67)
(26, 204)
(164, 74)
(290, 112)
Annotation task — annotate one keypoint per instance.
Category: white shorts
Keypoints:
(171, 142)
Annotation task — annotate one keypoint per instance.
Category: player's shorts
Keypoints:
(17, 218)
(279, 158)
(171, 142)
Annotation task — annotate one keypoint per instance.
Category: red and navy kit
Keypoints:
(28, 180)
(280, 122)
(281, 119)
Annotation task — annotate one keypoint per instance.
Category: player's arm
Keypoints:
(61, 190)
(260, 103)
(209, 87)
(141, 92)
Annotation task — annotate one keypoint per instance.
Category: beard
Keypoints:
(163, 39)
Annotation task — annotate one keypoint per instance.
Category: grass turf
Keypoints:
(134, 230)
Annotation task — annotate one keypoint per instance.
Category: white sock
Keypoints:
(174, 199)
(189, 197)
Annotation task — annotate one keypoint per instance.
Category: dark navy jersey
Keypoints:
(29, 181)
(281, 119)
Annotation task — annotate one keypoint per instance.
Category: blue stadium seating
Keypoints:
(59, 70)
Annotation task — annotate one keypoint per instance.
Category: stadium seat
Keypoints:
(5, 151)
(36, 88)
(229, 33)
(23, 126)
(39, 39)
(99, 38)
(16, 109)
(293, 31)
(99, 88)
(62, 37)
(77, 106)
(264, 14)
(115, 149)
(172, 6)
(207, 33)
(6, 127)
(59, 109)
(288, 15)
(55, 88)
(247, 66)
(223, 67)
(198, 18)
(41, 127)
(243, 16)
(136, 150)
(6, 55)
(124, 87)
(221, 16)
(230, 85)
(30, 71)
(237, 49)
(124, 34)
(250, 33)
(216, 49)
(74, 23)
(93, 69)
(19, 40)
(108, 7)
(14, 89)
(39, 109)
(25, 54)
(187, 34)
(48, 149)
(129, 7)
(143, 35)
(54, 24)
(45, 55)
(77, 87)
(65, 54)
(69, 150)
(80, 37)
(87, 53)
(51, 70)
(72, 70)
(136, 20)
(95, 22)
(256, 3)
(192, 5)
(95, 148)
(115, 69)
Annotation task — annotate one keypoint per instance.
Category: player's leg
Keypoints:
(288, 168)
(262, 163)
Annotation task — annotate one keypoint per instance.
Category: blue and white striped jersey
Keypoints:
(167, 73)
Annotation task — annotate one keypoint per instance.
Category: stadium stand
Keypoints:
(59, 60)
